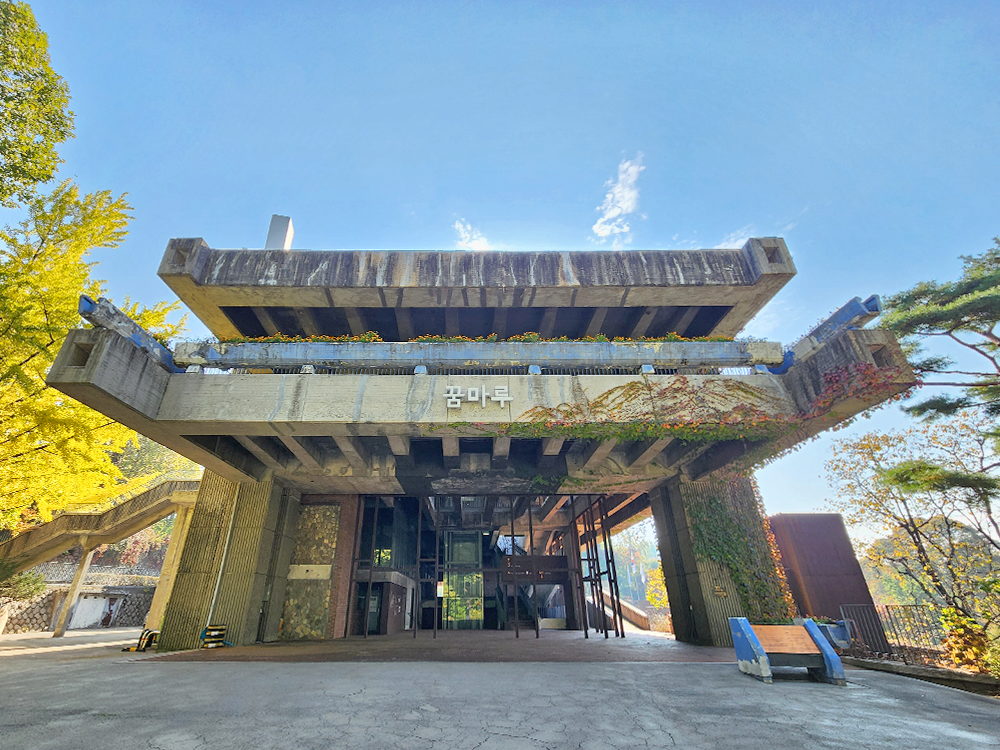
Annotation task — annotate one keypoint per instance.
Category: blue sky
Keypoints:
(864, 134)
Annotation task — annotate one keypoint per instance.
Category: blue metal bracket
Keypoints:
(750, 654)
(833, 671)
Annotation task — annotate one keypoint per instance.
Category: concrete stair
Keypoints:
(123, 519)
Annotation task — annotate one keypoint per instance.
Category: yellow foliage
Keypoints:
(55, 452)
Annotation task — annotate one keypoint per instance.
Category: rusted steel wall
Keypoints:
(823, 572)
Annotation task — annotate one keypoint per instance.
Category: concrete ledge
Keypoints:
(974, 683)
(475, 354)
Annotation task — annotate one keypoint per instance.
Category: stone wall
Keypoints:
(37, 614)
(32, 614)
(307, 594)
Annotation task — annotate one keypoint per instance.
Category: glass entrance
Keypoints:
(462, 594)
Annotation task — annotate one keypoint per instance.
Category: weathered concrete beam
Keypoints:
(548, 323)
(500, 322)
(112, 374)
(355, 321)
(307, 321)
(266, 321)
(501, 452)
(404, 323)
(105, 315)
(357, 455)
(303, 449)
(596, 321)
(596, 452)
(549, 450)
(399, 445)
(551, 505)
(642, 452)
(644, 321)
(474, 354)
(264, 452)
(450, 449)
(685, 319)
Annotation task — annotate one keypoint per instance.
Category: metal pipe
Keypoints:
(534, 570)
(371, 568)
(513, 574)
(352, 586)
(225, 556)
(418, 605)
(437, 573)
(609, 551)
(579, 589)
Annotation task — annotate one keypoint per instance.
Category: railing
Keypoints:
(477, 371)
(900, 632)
(64, 572)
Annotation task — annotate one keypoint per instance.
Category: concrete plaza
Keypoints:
(83, 691)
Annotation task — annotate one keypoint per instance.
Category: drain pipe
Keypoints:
(225, 556)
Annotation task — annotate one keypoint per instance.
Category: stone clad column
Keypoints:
(69, 603)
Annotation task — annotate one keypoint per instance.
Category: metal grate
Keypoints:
(596, 370)
(477, 370)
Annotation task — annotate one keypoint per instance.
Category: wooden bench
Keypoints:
(760, 647)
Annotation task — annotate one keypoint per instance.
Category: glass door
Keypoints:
(462, 595)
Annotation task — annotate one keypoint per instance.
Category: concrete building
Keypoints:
(390, 483)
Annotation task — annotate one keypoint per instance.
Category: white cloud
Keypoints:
(621, 200)
(470, 238)
(768, 320)
(737, 239)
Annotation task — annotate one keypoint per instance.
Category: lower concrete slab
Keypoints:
(51, 702)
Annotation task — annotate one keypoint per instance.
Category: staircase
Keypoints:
(126, 517)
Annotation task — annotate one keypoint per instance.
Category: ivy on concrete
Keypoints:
(729, 527)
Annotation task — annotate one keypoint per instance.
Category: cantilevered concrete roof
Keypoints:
(405, 294)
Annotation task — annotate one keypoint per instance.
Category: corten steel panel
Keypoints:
(823, 572)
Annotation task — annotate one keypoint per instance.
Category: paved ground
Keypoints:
(88, 693)
(474, 646)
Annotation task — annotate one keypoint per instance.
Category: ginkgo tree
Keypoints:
(34, 106)
(54, 452)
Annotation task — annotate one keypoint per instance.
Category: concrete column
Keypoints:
(225, 564)
(69, 604)
(698, 615)
(680, 569)
(168, 573)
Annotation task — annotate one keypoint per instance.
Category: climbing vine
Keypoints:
(729, 527)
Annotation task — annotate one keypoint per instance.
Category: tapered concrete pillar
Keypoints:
(69, 604)
(699, 614)
(168, 572)
(233, 564)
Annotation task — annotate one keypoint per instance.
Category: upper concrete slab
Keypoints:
(405, 294)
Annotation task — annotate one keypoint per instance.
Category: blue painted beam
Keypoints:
(105, 315)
